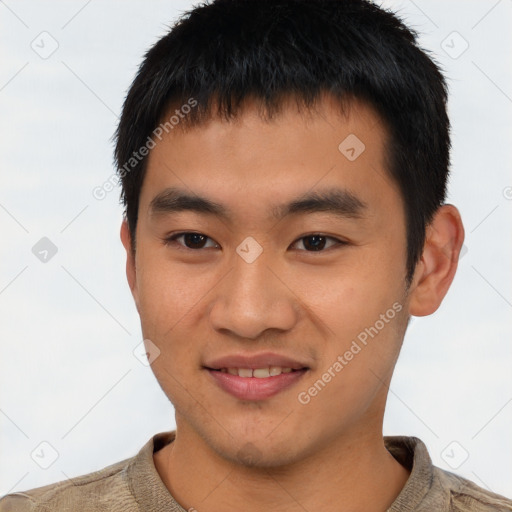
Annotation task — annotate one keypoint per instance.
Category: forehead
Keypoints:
(253, 160)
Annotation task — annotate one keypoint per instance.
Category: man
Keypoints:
(284, 169)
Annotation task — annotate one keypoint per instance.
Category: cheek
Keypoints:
(172, 299)
(350, 297)
(169, 298)
(354, 367)
(360, 307)
(168, 291)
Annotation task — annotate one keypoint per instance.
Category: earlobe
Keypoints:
(131, 273)
(436, 269)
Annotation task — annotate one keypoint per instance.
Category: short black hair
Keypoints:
(225, 51)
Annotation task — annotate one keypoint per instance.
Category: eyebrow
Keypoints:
(335, 201)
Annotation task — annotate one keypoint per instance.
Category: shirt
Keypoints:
(134, 485)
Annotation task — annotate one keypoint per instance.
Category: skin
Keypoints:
(197, 304)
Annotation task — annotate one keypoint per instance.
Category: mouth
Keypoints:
(253, 384)
(256, 376)
(258, 373)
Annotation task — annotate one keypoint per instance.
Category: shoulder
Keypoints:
(116, 488)
(95, 491)
(466, 496)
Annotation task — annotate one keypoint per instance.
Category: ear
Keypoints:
(131, 273)
(436, 269)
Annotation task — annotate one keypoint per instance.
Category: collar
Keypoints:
(153, 496)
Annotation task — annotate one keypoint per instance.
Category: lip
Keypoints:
(254, 388)
(261, 360)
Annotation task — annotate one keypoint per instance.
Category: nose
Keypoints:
(252, 298)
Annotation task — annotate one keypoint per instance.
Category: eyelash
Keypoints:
(171, 240)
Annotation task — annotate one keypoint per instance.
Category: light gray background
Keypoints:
(69, 327)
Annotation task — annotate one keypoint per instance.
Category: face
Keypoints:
(270, 277)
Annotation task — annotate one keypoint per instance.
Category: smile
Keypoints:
(257, 383)
(259, 373)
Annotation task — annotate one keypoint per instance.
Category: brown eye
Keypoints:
(191, 240)
(317, 242)
(194, 240)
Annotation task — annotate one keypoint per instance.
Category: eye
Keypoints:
(316, 242)
(195, 241)
(192, 241)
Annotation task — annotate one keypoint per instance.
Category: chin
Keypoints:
(257, 451)
(260, 456)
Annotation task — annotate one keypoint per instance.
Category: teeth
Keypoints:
(275, 370)
(259, 373)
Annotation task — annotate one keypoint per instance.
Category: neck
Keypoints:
(356, 471)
